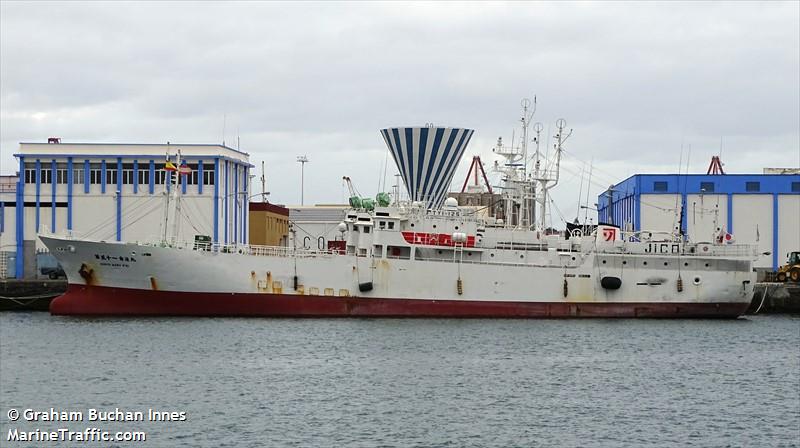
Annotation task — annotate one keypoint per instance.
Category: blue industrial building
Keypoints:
(762, 209)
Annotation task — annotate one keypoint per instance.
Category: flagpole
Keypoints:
(177, 215)
(166, 202)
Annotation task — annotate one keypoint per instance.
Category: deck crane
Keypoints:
(356, 201)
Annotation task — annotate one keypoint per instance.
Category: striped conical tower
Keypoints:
(427, 158)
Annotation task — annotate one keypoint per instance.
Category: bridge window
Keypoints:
(795, 187)
(402, 252)
(659, 186)
(707, 187)
(753, 186)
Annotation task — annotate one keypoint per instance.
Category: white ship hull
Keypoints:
(120, 278)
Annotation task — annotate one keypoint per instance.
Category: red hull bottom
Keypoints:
(95, 300)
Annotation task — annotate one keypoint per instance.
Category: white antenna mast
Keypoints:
(537, 128)
(561, 124)
(588, 190)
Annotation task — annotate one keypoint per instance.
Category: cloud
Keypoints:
(634, 81)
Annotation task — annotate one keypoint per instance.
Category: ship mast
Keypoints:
(176, 200)
(548, 178)
(176, 216)
(165, 225)
(518, 192)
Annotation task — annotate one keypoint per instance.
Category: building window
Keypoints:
(77, 176)
(47, 176)
(752, 186)
(659, 186)
(707, 187)
(127, 177)
(191, 178)
(208, 177)
(163, 177)
(111, 176)
(30, 176)
(391, 225)
(96, 176)
(144, 177)
(61, 176)
(795, 187)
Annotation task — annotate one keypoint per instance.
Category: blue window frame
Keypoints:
(752, 186)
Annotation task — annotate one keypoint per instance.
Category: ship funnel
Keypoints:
(427, 158)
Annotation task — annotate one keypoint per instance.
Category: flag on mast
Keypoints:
(184, 168)
(169, 166)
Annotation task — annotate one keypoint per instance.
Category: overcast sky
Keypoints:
(634, 81)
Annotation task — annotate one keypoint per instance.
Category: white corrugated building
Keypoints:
(116, 192)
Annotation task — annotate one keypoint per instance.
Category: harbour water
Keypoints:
(398, 382)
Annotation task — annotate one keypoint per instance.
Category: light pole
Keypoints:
(303, 160)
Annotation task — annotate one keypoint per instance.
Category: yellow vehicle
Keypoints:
(791, 269)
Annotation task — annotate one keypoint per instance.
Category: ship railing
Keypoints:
(242, 249)
(478, 262)
(684, 249)
(646, 236)
(732, 250)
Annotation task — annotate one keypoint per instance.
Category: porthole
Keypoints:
(706, 264)
(686, 264)
(666, 264)
(623, 261)
(469, 254)
(434, 226)
(440, 252)
(573, 258)
(697, 280)
(412, 224)
(456, 227)
(644, 263)
(604, 261)
(522, 256)
(491, 255)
